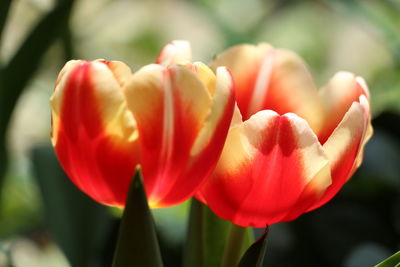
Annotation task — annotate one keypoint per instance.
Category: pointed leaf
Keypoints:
(137, 243)
(254, 255)
(392, 261)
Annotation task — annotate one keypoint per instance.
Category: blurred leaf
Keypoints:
(137, 243)
(15, 76)
(23, 65)
(392, 261)
(67, 43)
(254, 255)
(148, 41)
(377, 13)
(4, 11)
(78, 224)
(210, 237)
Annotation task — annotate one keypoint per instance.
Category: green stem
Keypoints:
(234, 247)
(207, 237)
(193, 251)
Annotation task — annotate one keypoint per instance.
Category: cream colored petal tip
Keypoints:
(175, 52)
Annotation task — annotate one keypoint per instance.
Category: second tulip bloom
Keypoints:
(290, 147)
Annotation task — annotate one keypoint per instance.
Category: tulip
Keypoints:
(93, 133)
(290, 148)
(106, 120)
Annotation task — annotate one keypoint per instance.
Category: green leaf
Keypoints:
(4, 11)
(137, 243)
(254, 255)
(26, 60)
(79, 225)
(212, 241)
(15, 76)
(392, 261)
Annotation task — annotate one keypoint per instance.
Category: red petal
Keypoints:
(344, 147)
(272, 169)
(275, 79)
(171, 106)
(337, 97)
(175, 52)
(97, 158)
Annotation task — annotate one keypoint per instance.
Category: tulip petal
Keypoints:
(368, 133)
(344, 146)
(276, 79)
(272, 169)
(205, 74)
(175, 52)
(337, 96)
(93, 133)
(170, 106)
(211, 137)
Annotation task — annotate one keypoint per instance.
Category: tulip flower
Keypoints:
(290, 147)
(168, 119)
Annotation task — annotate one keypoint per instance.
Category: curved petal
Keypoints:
(276, 79)
(172, 106)
(175, 52)
(211, 138)
(253, 184)
(337, 96)
(369, 130)
(344, 146)
(93, 133)
(205, 74)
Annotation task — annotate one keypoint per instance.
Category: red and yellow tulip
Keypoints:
(291, 147)
(172, 120)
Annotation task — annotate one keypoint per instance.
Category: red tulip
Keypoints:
(296, 146)
(93, 133)
(107, 120)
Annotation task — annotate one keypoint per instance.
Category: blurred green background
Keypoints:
(45, 221)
